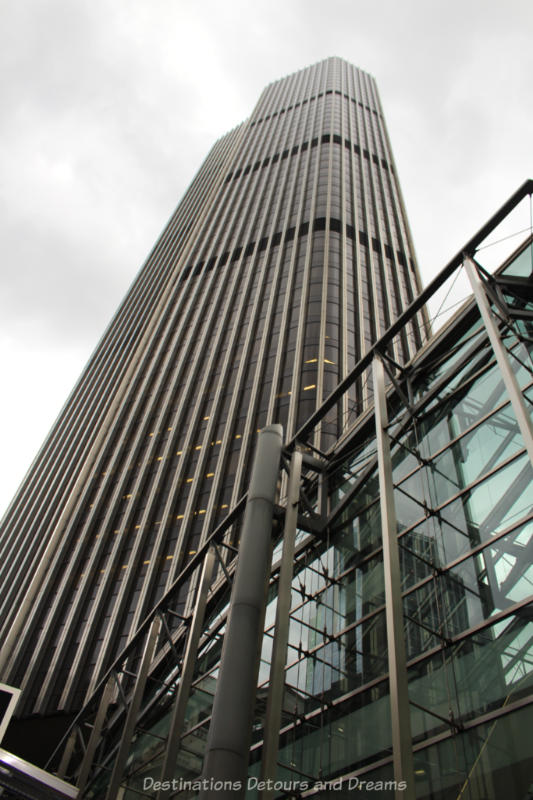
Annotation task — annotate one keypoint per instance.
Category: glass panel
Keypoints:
(340, 737)
(522, 265)
(361, 529)
(495, 503)
(492, 761)
(350, 661)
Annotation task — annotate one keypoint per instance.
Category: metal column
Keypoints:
(399, 697)
(227, 754)
(94, 738)
(185, 680)
(281, 629)
(133, 710)
(511, 384)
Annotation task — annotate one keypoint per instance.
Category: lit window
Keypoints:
(312, 386)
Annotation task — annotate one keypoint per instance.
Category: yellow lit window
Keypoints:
(202, 511)
(180, 516)
(169, 558)
(312, 386)
(210, 475)
(311, 361)
(189, 480)
(198, 447)
(146, 562)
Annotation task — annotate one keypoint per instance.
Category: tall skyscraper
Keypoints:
(288, 256)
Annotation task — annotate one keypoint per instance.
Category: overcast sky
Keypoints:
(108, 108)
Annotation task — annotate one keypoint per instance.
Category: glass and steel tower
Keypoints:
(288, 256)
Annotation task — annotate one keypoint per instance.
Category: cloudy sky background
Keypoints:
(108, 109)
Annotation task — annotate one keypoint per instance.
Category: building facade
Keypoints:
(287, 258)
(395, 653)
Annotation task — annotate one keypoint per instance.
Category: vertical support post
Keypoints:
(399, 697)
(133, 710)
(67, 753)
(94, 738)
(184, 688)
(509, 379)
(281, 629)
(228, 744)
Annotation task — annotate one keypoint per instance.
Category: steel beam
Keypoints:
(189, 661)
(509, 378)
(281, 629)
(133, 710)
(67, 753)
(227, 753)
(399, 697)
(94, 738)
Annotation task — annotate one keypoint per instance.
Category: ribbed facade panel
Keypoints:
(288, 256)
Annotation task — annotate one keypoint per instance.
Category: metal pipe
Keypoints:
(228, 744)
(281, 630)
